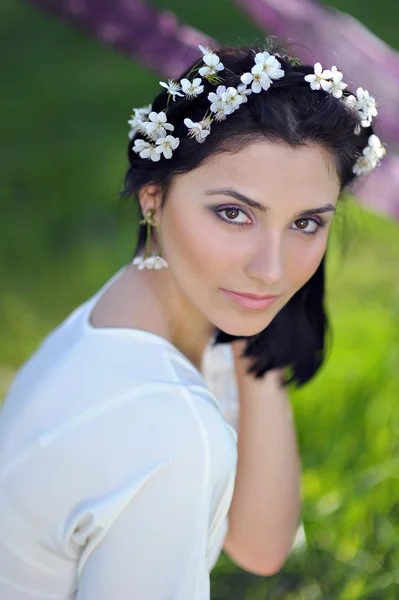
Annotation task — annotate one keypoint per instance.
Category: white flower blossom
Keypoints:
(270, 65)
(166, 145)
(139, 262)
(371, 156)
(258, 79)
(375, 143)
(156, 262)
(173, 88)
(140, 145)
(205, 50)
(374, 148)
(225, 101)
(243, 92)
(139, 116)
(198, 131)
(151, 262)
(234, 97)
(320, 79)
(221, 114)
(192, 89)
(216, 99)
(146, 150)
(351, 100)
(366, 105)
(337, 84)
(151, 153)
(212, 65)
(206, 122)
(134, 120)
(157, 126)
(362, 166)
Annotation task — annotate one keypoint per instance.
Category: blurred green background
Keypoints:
(66, 100)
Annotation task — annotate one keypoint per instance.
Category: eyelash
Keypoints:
(217, 210)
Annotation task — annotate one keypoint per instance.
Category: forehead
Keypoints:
(272, 169)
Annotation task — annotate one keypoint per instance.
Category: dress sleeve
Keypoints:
(157, 546)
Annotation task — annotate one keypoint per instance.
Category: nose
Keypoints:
(266, 262)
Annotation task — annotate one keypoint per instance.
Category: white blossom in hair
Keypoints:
(218, 103)
(192, 89)
(212, 65)
(172, 87)
(234, 97)
(157, 125)
(270, 65)
(226, 100)
(139, 116)
(371, 156)
(198, 131)
(363, 102)
(205, 50)
(366, 105)
(266, 69)
(243, 93)
(320, 78)
(166, 145)
(146, 150)
(337, 85)
(258, 79)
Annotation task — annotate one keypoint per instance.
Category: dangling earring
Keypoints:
(149, 260)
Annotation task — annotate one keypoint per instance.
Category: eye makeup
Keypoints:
(320, 222)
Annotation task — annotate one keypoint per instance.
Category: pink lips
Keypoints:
(250, 300)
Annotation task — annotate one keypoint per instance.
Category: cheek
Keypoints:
(302, 262)
(192, 248)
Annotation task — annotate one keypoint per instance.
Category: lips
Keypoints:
(251, 300)
(255, 296)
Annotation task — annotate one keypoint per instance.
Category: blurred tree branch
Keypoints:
(154, 38)
(157, 40)
(324, 34)
(335, 38)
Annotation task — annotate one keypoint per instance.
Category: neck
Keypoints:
(163, 309)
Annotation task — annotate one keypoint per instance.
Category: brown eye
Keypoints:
(231, 213)
(306, 221)
(303, 224)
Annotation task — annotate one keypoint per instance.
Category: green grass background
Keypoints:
(65, 104)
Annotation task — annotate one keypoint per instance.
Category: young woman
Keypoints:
(122, 474)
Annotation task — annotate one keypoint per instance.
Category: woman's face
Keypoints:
(214, 241)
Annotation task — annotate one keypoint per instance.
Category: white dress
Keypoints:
(117, 467)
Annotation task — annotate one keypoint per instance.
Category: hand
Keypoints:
(242, 364)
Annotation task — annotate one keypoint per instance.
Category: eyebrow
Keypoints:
(262, 207)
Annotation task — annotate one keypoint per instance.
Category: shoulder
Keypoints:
(130, 436)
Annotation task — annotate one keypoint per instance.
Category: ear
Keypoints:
(150, 196)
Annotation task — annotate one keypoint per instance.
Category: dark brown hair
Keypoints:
(290, 112)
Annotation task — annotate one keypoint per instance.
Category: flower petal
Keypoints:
(247, 78)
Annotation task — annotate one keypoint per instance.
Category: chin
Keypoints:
(245, 330)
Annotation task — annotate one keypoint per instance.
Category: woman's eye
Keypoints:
(236, 216)
(232, 214)
(304, 225)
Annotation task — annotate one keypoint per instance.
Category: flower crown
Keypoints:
(224, 101)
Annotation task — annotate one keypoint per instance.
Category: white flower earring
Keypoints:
(149, 260)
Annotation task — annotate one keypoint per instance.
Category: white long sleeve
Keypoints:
(157, 548)
(117, 470)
